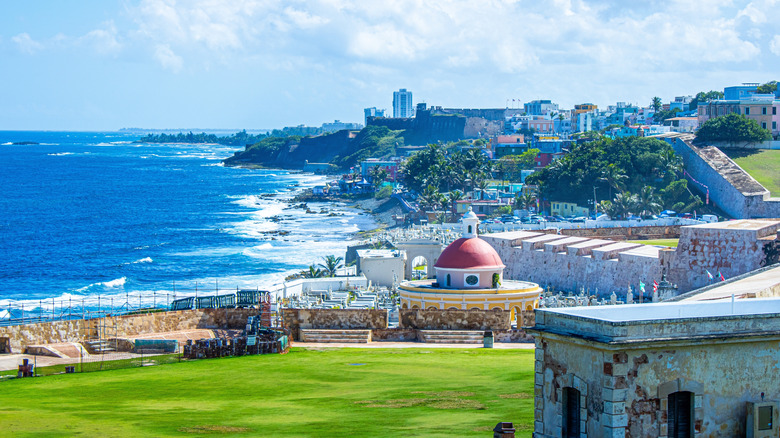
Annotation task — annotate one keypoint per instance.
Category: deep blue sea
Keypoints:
(86, 213)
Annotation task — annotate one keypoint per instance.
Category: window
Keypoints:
(774, 126)
(680, 415)
(765, 418)
(747, 111)
(774, 110)
(449, 280)
(763, 125)
(763, 110)
(469, 229)
(571, 413)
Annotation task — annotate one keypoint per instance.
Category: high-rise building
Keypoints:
(372, 112)
(402, 104)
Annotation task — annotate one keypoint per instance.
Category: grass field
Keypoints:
(762, 165)
(331, 392)
(661, 242)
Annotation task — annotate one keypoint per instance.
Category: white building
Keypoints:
(402, 104)
(383, 267)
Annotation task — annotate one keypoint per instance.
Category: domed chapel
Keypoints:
(469, 275)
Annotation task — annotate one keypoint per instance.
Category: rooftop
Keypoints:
(667, 311)
(666, 323)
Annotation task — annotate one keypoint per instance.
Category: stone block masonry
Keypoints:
(569, 264)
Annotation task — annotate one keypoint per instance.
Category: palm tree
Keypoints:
(614, 177)
(648, 203)
(331, 265)
(455, 196)
(624, 203)
(312, 272)
(378, 175)
(656, 104)
(522, 201)
(482, 185)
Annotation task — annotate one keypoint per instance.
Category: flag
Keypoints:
(642, 287)
(709, 275)
(721, 276)
(655, 286)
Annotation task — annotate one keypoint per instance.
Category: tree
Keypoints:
(453, 198)
(424, 168)
(662, 115)
(482, 185)
(767, 88)
(331, 265)
(523, 201)
(648, 202)
(614, 177)
(623, 204)
(312, 272)
(378, 175)
(656, 104)
(702, 97)
(732, 128)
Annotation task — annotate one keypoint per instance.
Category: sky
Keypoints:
(259, 64)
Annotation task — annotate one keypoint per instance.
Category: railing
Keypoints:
(18, 312)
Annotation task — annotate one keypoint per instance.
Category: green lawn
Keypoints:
(332, 392)
(762, 165)
(661, 242)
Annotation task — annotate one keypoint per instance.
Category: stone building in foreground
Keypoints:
(701, 369)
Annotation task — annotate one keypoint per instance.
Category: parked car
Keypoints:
(580, 219)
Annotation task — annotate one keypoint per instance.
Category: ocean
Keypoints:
(86, 213)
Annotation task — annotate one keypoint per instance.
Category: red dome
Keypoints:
(469, 253)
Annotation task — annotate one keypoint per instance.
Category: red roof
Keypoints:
(469, 253)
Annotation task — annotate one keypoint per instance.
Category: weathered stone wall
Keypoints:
(626, 233)
(730, 187)
(452, 319)
(296, 319)
(629, 388)
(20, 336)
(394, 335)
(572, 272)
(730, 251)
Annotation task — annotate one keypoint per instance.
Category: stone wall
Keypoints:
(296, 319)
(627, 233)
(625, 391)
(572, 271)
(127, 326)
(452, 319)
(727, 249)
(731, 189)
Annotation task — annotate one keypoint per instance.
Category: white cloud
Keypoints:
(103, 40)
(774, 45)
(26, 44)
(169, 60)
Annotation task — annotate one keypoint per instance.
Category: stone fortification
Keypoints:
(731, 188)
(731, 248)
(127, 326)
(333, 319)
(452, 319)
(570, 263)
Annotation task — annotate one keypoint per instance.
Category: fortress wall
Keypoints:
(563, 271)
(732, 251)
(452, 319)
(295, 319)
(732, 189)
(20, 336)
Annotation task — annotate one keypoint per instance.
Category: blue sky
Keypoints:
(104, 65)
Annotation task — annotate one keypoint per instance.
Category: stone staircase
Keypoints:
(329, 335)
(451, 336)
(99, 346)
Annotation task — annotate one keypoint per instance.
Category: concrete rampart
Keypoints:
(452, 319)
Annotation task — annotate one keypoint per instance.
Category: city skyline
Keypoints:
(258, 65)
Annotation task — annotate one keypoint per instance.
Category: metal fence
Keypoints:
(19, 312)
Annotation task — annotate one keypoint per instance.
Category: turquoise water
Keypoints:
(83, 214)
